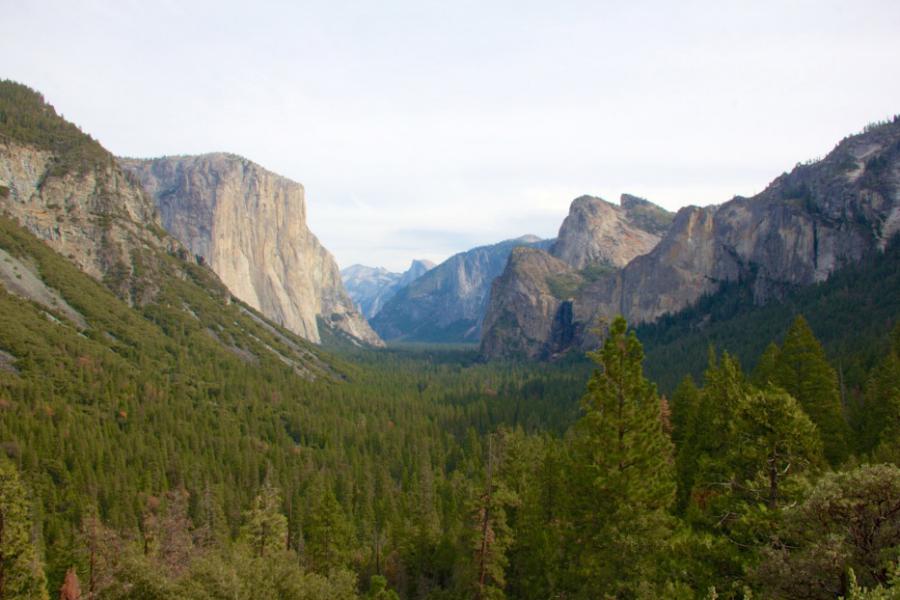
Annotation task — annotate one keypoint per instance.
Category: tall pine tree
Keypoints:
(622, 474)
(804, 373)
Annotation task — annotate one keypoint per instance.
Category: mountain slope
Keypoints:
(65, 188)
(525, 304)
(851, 313)
(249, 225)
(447, 303)
(801, 228)
(595, 239)
(371, 287)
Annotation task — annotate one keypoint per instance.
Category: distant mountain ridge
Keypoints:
(371, 287)
(447, 303)
(249, 225)
(806, 224)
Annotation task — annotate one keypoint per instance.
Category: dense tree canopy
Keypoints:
(148, 458)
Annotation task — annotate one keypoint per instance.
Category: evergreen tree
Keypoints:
(622, 474)
(685, 406)
(881, 432)
(538, 553)
(327, 531)
(21, 572)
(804, 372)
(773, 440)
(489, 532)
(767, 367)
(710, 440)
(265, 527)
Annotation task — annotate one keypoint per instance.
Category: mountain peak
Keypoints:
(596, 231)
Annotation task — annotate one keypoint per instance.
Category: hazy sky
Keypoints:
(421, 129)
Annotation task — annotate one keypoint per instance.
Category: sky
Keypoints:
(421, 129)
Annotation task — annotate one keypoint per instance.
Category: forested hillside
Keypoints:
(161, 440)
(850, 313)
(152, 461)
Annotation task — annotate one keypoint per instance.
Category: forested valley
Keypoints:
(147, 456)
(161, 439)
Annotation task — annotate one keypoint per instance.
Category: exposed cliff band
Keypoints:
(249, 225)
(800, 229)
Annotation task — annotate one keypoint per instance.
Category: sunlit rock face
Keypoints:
(249, 225)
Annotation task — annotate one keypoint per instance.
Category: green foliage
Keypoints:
(489, 535)
(851, 314)
(878, 413)
(378, 589)
(21, 572)
(327, 531)
(622, 482)
(804, 372)
(265, 527)
(685, 405)
(564, 285)
(747, 454)
(851, 520)
(189, 449)
(772, 439)
(25, 118)
(892, 592)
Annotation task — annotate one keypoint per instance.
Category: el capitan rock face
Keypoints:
(799, 230)
(249, 225)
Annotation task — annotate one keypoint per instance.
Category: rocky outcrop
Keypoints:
(371, 287)
(595, 240)
(529, 313)
(599, 233)
(249, 225)
(94, 215)
(806, 224)
(448, 303)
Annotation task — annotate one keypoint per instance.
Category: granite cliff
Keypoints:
(531, 310)
(597, 232)
(249, 226)
(67, 190)
(801, 228)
